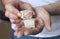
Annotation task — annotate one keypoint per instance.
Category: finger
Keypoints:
(39, 24)
(22, 28)
(15, 33)
(19, 33)
(47, 21)
(39, 21)
(39, 28)
(12, 9)
(19, 25)
(15, 21)
(47, 24)
(30, 31)
(10, 15)
(43, 14)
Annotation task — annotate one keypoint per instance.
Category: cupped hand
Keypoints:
(13, 10)
(42, 20)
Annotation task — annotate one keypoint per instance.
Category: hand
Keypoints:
(43, 19)
(12, 11)
(14, 8)
(22, 31)
(44, 15)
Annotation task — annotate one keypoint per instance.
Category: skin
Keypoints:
(43, 20)
(53, 9)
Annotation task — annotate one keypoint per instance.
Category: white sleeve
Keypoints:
(36, 3)
(51, 1)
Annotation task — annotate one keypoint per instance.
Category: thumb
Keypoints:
(47, 21)
(11, 8)
(46, 18)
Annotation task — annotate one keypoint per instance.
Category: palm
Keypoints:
(41, 20)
